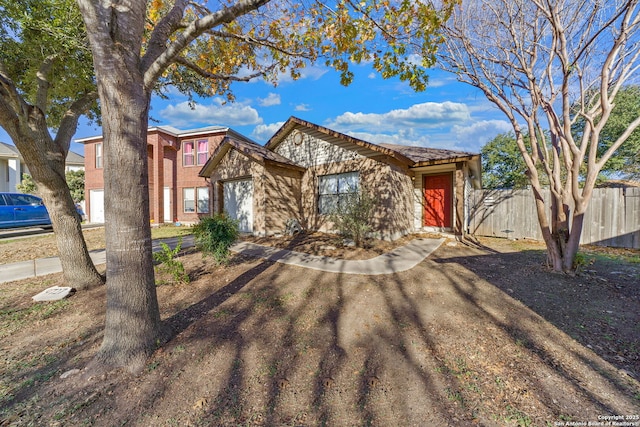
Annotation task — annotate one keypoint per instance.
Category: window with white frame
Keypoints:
(191, 204)
(203, 151)
(188, 153)
(99, 155)
(333, 189)
(203, 199)
(189, 200)
(195, 152)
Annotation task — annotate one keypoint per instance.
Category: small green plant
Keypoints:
(580, 260)
(168, 263)
(215, 235)
(515, 415)
(352, 216)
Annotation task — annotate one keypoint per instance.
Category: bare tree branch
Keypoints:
(226, 77)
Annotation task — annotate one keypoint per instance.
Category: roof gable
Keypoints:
(249, 149)
(412, 156)
(360, 146)
(7, 150)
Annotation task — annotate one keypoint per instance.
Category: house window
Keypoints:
(332, 189)
(195, 152)
(203, 151)
(188, 154)
(203, 199)
(193, 205)
(99, 155)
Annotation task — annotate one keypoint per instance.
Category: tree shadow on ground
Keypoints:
(599, 310)
(271, 344)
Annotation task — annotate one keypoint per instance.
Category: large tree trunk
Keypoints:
(132, 327)
(133, 318)
(77, 267)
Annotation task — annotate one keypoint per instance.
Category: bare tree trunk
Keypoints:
(552, 65)
(77, 267)
(132, 328)
(47, 169)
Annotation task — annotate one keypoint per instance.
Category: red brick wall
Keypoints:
(176, 175)
(187, 176)
(93, 177)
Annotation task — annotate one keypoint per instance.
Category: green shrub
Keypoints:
(168, 264)
(215, 235)
(352, 217)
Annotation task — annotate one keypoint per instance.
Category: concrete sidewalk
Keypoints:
(400, 259)
(44, 266)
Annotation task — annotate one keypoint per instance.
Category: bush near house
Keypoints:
(352, 216)
(215, 235)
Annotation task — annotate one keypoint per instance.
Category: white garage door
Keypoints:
(96, 204)
(238, 202)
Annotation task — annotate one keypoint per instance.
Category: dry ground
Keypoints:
(471, 336)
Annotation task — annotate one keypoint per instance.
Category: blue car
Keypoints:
(23, 210)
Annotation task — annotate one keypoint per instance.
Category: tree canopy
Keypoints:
(46, 84)
(45, 55)
(502, 164)
(625, 162)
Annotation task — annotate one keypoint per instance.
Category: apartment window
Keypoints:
(188, 153)
(203, 151)
(332, 190)
(99, 155)
(193, 204)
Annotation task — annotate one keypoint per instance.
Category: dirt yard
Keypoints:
(480, 335)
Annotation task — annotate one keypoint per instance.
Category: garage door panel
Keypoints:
(238, 202)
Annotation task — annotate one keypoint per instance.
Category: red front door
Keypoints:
(437, 200)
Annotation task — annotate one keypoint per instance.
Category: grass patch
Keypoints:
(168, 230)
(12, 319)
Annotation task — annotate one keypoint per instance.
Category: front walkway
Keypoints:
(400, 259)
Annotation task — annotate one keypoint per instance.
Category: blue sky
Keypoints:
(448, 114)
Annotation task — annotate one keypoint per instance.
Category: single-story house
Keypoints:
(304, 168)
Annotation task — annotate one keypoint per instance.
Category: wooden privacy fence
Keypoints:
(612, 218)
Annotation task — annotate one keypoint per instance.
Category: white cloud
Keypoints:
(425, 115)
(216, 113)
(480, 132)
(271, 100)
(444, 125)
(302, 107)
(263, 132)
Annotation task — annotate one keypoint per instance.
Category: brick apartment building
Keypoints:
(176, 192)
